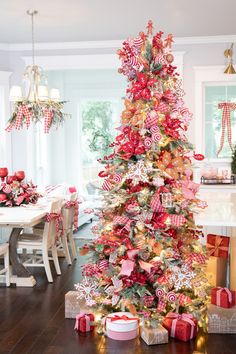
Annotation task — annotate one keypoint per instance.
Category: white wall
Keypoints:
(195, 55)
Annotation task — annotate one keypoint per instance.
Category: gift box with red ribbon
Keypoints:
(223, 297)
(218, 246)
(84, 322)
(122, 326)
(181, 326)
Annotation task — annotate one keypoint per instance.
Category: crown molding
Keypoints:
(113, 44)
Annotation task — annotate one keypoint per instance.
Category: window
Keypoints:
(215, 94)
(98, 119)
(211, 87)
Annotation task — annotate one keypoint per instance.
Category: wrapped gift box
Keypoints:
(216, 271)
(218, 246)
(223, 297)
(73, 306)
(151, 336)
(84, 322)
(122, 326)
(182, 327)
(221, 320)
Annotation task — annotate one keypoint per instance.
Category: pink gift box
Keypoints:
(122, 335)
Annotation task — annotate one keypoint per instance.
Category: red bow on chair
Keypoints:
(58, 219)
(74, 204)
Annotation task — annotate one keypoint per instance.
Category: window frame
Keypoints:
(207, 76)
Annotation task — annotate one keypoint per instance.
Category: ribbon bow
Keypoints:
(123, 317)
(217, 247)
(74, 204)
(58, 221)
(184, 317)
(218, 295)
(227, 107)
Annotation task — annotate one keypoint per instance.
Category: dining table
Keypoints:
(221, 213)
(18, 218)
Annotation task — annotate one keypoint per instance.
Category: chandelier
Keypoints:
(36, 104)
(228, 53)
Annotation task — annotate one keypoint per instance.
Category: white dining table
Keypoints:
(18, 218)
(221, 212)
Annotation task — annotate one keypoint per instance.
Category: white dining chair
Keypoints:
(4, 252)
(68, 215)
(37, 246)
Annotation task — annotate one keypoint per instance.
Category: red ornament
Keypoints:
(3, 173)
(10, 179)
(20, 175)
(198, 157)
(3, 197)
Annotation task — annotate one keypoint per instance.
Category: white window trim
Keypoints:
(207, 75)
(6, 159)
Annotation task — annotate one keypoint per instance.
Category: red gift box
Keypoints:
(218, 246)
(223, 297)
(84, 322)
(181, 326)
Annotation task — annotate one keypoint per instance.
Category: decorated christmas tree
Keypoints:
(147, 257)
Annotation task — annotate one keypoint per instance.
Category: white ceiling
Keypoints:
(89, 20)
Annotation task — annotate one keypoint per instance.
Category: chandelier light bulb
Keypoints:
(42, 93)
(55, 95)
(16, 94)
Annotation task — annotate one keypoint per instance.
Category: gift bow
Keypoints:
(74, 204)
(218, 294)
(87, 321)
(123, 317)
(226, 122)
(216, 248)
(184, 317)
(58, 220)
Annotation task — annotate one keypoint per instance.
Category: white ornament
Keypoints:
(181, 277)
(138, 172)
(87, 289)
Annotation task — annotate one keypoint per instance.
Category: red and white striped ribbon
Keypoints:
(227, 107)
(22, 111)
(155, 203)
(107, 186)
(58, 221)
(47, 116)
(74, 204)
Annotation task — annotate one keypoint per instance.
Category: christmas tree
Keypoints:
(147, 257)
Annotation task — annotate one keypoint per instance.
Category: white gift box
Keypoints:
(122, 326)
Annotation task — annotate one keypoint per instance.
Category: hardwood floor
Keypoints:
(32, 321)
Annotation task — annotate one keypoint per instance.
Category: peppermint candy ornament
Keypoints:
(156, 137)
(154, 129)
(117, 178)
(160, 292)
(147, 143)
(171, 296)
